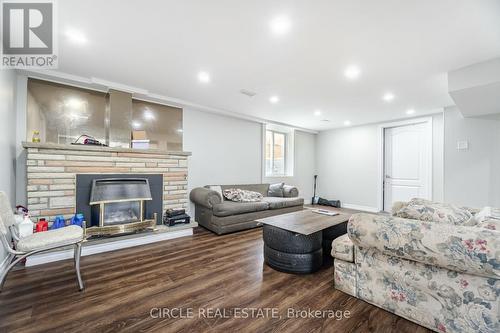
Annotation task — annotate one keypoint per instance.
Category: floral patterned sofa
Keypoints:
(441, 270)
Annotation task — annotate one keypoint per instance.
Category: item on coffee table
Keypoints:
(325, 212)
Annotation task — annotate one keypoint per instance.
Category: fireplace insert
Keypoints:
(118, 205)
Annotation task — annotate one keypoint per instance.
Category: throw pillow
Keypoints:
(239, 195)
(425, 210)
(276, 190)
(492, 224)
(487, 213)
(218, 189)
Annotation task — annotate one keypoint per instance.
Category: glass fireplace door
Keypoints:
(122, 212)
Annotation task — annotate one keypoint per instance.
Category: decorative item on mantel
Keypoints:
(36, 136)
(139, 140)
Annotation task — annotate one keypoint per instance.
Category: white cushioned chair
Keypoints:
(38, 242)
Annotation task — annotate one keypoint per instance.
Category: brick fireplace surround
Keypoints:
(52, 169)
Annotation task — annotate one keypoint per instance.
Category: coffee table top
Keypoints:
(304, 222)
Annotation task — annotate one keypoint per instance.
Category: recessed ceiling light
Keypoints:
(280, 25)
(347, 123)
(136, 124)
(317, 113)
(352, 72)
(76, 36)
(204, 77)
(410, 111)
(388, 97)
(274, 99)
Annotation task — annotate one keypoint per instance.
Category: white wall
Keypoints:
(304, 168)
(472, 176)
(7, 138)
(348, 164)
(227, 150)
(7, 132)
(438, 157)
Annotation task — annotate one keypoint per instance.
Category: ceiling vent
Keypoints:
(248, 92)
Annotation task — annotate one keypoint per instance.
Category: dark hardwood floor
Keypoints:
(201, 272)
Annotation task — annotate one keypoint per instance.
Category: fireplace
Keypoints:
(120, 204)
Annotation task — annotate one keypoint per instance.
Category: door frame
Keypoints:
(381, 154)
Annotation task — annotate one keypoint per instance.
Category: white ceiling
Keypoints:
(405, 47)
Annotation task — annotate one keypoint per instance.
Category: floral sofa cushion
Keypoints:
(491, 224)
(440, 299)
(239, 195)
(460, 248)
(343, 248)
(425, 210)
(344, 276)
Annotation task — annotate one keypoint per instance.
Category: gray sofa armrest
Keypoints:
(205, 197)
(290, 191)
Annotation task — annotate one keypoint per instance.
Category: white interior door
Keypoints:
(407, 163)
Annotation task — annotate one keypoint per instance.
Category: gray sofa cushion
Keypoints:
(228, 208)
(277, 203)
(276, 190)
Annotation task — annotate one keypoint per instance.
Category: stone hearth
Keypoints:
(52, 169)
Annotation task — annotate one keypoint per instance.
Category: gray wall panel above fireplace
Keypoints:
(84, 186)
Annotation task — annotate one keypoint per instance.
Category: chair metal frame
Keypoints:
(14, 256)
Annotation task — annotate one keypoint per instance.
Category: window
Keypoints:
(278, 152)
(275, 153)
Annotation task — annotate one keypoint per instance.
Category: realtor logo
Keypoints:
(28, 34)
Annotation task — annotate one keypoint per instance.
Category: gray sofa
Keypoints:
(223, 216)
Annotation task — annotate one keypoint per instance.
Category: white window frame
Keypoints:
(288, 152)
(272, 173)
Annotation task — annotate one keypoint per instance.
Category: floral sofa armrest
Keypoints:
(205, 197)
(458, 248)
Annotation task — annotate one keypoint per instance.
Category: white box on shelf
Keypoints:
(140, 144)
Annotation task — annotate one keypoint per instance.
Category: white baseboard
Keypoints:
(89, 248)
(362, 208)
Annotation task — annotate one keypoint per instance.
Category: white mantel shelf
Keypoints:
(102, 149)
